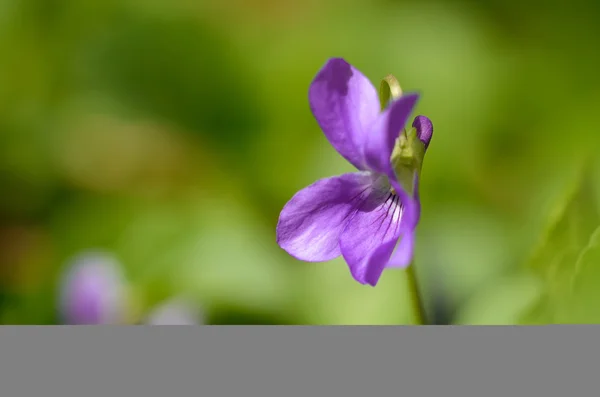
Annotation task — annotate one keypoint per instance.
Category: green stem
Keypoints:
(415, 296)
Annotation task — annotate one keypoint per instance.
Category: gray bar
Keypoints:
(299, 361)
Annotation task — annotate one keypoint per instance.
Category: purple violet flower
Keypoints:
(92, 291)
(364, 215)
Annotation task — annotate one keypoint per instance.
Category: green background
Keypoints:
(172, 133)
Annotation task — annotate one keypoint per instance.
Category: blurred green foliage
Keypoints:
(172, 133)
(556, 259)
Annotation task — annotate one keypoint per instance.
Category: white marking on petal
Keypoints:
(395, 211)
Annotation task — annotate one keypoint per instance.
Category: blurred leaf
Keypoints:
(332, 296)
(583, 303)
(231, 260)
(460, 248)
(500, 303)
(179, 69)
(555, 260)
(224, 314)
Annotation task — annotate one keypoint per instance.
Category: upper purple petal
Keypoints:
(345, 105)
(384, 132)
(310, 224)
(370, 237)
(424, 128)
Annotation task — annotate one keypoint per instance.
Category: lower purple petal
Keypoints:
(403, 255)
(311, 223)
(370, 237)
(378, 261)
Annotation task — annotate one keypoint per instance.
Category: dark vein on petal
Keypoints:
(391, 218)
(359, 194)
(383, 215)
(358, 205)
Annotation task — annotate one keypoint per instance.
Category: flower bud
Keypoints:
(409, 151)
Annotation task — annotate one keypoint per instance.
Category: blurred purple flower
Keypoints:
(92, 291)
(360, 215)
(174, 312)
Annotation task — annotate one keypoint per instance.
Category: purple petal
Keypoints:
(403, 255)
(92, 291)
(345, 105)
(310, 224)
(424, 128)
(411, 205)
(370, 237)
(384, 132)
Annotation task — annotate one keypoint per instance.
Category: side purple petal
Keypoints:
(345, 105)
(404, 253)
(310, 224)
(411, 205)
(370, 237)
(384, 132)
(424, 128)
